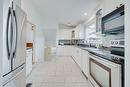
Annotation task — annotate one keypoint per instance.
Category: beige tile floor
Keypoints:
(58, 72)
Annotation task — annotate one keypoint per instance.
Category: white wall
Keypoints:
(1, 36)
(107, 38)
(50, 37)
(35, 18)
(30, 37)
(32, 14)
(18, 2)
(127, 45)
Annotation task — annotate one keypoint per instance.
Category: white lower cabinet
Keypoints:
(85, 62)
(63, 51)
(60, 51)
(28, 61)
(77, 56)
(81, 57)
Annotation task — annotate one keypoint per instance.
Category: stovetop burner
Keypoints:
(107, 55)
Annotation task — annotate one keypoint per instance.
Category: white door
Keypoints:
(6, 62)
(20, 43)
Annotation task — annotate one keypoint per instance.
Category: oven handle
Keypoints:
(106, 62)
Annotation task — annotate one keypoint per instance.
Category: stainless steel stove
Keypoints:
(118, 54)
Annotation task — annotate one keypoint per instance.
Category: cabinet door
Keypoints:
(64, 34)
(85, 62)
(67, 51)
(75, 54)
(78, 56)
(81, 32)
(60, 51)
(77, 32)
(64, 51)
(72, 51)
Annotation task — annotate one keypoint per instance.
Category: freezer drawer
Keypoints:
(18, 80)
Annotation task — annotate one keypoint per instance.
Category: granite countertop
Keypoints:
(103, 53)
(28, 48)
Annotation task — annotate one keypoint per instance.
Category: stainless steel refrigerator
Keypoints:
(14, 46)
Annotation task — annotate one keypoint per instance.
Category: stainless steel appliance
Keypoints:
(117, 47)
(109, 65)
(114, 22)
(118, 54)
(105, 71)
(14, 45)
(117, 43)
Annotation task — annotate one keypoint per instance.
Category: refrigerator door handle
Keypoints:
(15, 34)
(9, 35)
(15, 76)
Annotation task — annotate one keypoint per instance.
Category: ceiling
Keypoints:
(64, 12)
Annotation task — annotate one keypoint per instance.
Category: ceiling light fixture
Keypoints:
(85, 14)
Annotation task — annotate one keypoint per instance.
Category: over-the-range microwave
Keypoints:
(114, 22)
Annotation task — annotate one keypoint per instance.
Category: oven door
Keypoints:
(104, 73)
(100, 73)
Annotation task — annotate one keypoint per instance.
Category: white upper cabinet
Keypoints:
(79, 32)
(64, 34)
(110, 5)
(75, 33)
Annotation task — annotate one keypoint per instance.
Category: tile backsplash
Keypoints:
(106, 39)
(103, 40)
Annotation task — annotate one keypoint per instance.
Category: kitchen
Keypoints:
(95, 44)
